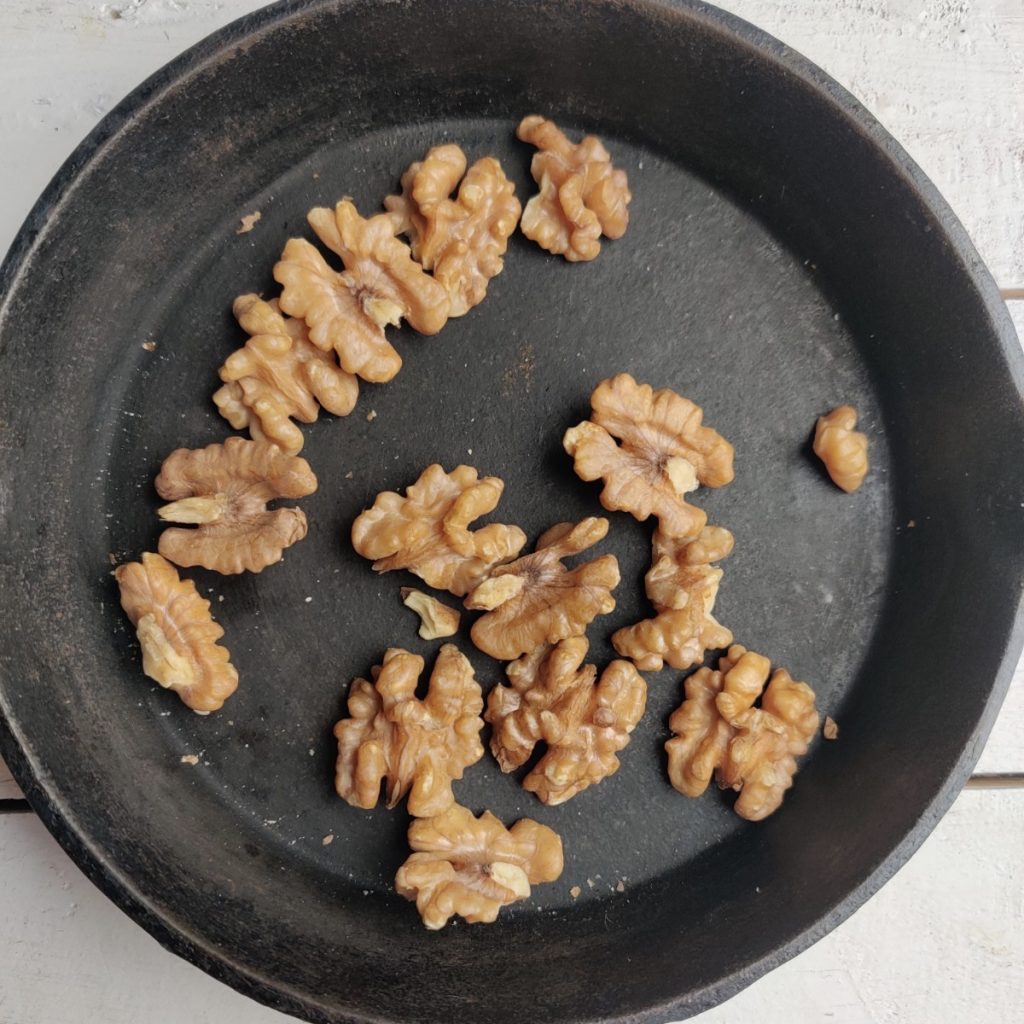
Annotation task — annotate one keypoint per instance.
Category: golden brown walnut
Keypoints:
(753, 750)
(461, 240)
(416, 746)
(682, 585)
(664, 453)
(583, 724)
(843, 449)
(436, 619)
(581, 194)
(472, 867)
(535, 600)
(381, 284)
(223, 489)
(279, 375)
(427, 531)
(177, 633)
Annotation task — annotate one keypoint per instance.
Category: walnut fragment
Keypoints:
(381, 285)
(280, 375)
(177, 633)
(414, 746)
(223, 489)
(664, 453)
(427, 531)
(718, 731)
(436, 619)
(584, 722)
(581, 194)
(682, 585)
(472, 867)
(461, 240)
(535, 600)
(843, 449)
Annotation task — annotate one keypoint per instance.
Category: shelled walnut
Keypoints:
(583, 724)
(718, 731)
(223, 489)
(177, 633)
(415, 746)
(472, 867)
(436, 618)
(664, 453)
(581, 194)
(280, 375)
(461, 240)
(536, 600)
(843, 449)
(682, 585)
(381, 285)
(427, 531)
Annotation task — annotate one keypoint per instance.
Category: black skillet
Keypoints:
(784, 255)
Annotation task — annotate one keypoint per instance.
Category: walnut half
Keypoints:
(843, 449)
(472, 867)
(223, 490)
(177, 633)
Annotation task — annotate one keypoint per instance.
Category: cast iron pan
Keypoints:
(784, 255)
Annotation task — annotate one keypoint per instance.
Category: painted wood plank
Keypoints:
(943, 942)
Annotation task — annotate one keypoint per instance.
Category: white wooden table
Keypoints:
(944, 941)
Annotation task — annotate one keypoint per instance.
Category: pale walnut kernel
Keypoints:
(843, 449)
(415, 746)
(682, 585)
(427, 531)
(436, 619)
(535, 600)
(472, 867)
(279, 375)
(583, 724)
(664, 453)
(177, 633)
(581, 194)
(461, 240)
(381, 285)
(223, 489)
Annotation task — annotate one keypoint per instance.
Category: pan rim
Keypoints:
(63, 822)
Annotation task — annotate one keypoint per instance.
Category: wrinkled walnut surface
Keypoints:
(415, 746)
(427, 531)
(177, 633)
(472, 867)
(843, 449)
(436, 618)
(278, 376)
(224, 490)
(583, 723)
(682, 585)
(581, 194)
(381, 284)
(536, 599)
(461, 240)
(664, 453)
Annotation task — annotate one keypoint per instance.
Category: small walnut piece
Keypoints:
(280, 375)
(581, 194)
(682, 585)
(381, 285)
(427, 531)
(535, 600)
(472, 867)
(223, 489)
(583, 724)
(664, 453)
(830, 730)
(461, 240)
(843, 449)
(416, 746)
(436, 619)
(177, 633)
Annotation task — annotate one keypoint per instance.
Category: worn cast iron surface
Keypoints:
(784, 256)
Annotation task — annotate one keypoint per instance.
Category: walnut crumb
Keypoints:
(436, 618)
(190, 759)
(248, 222)
(575, 892)
(149, 346)
(111, 558)
(371, 415)
(830, 730)
(620, 887)
(327, 840)
(349, 475)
